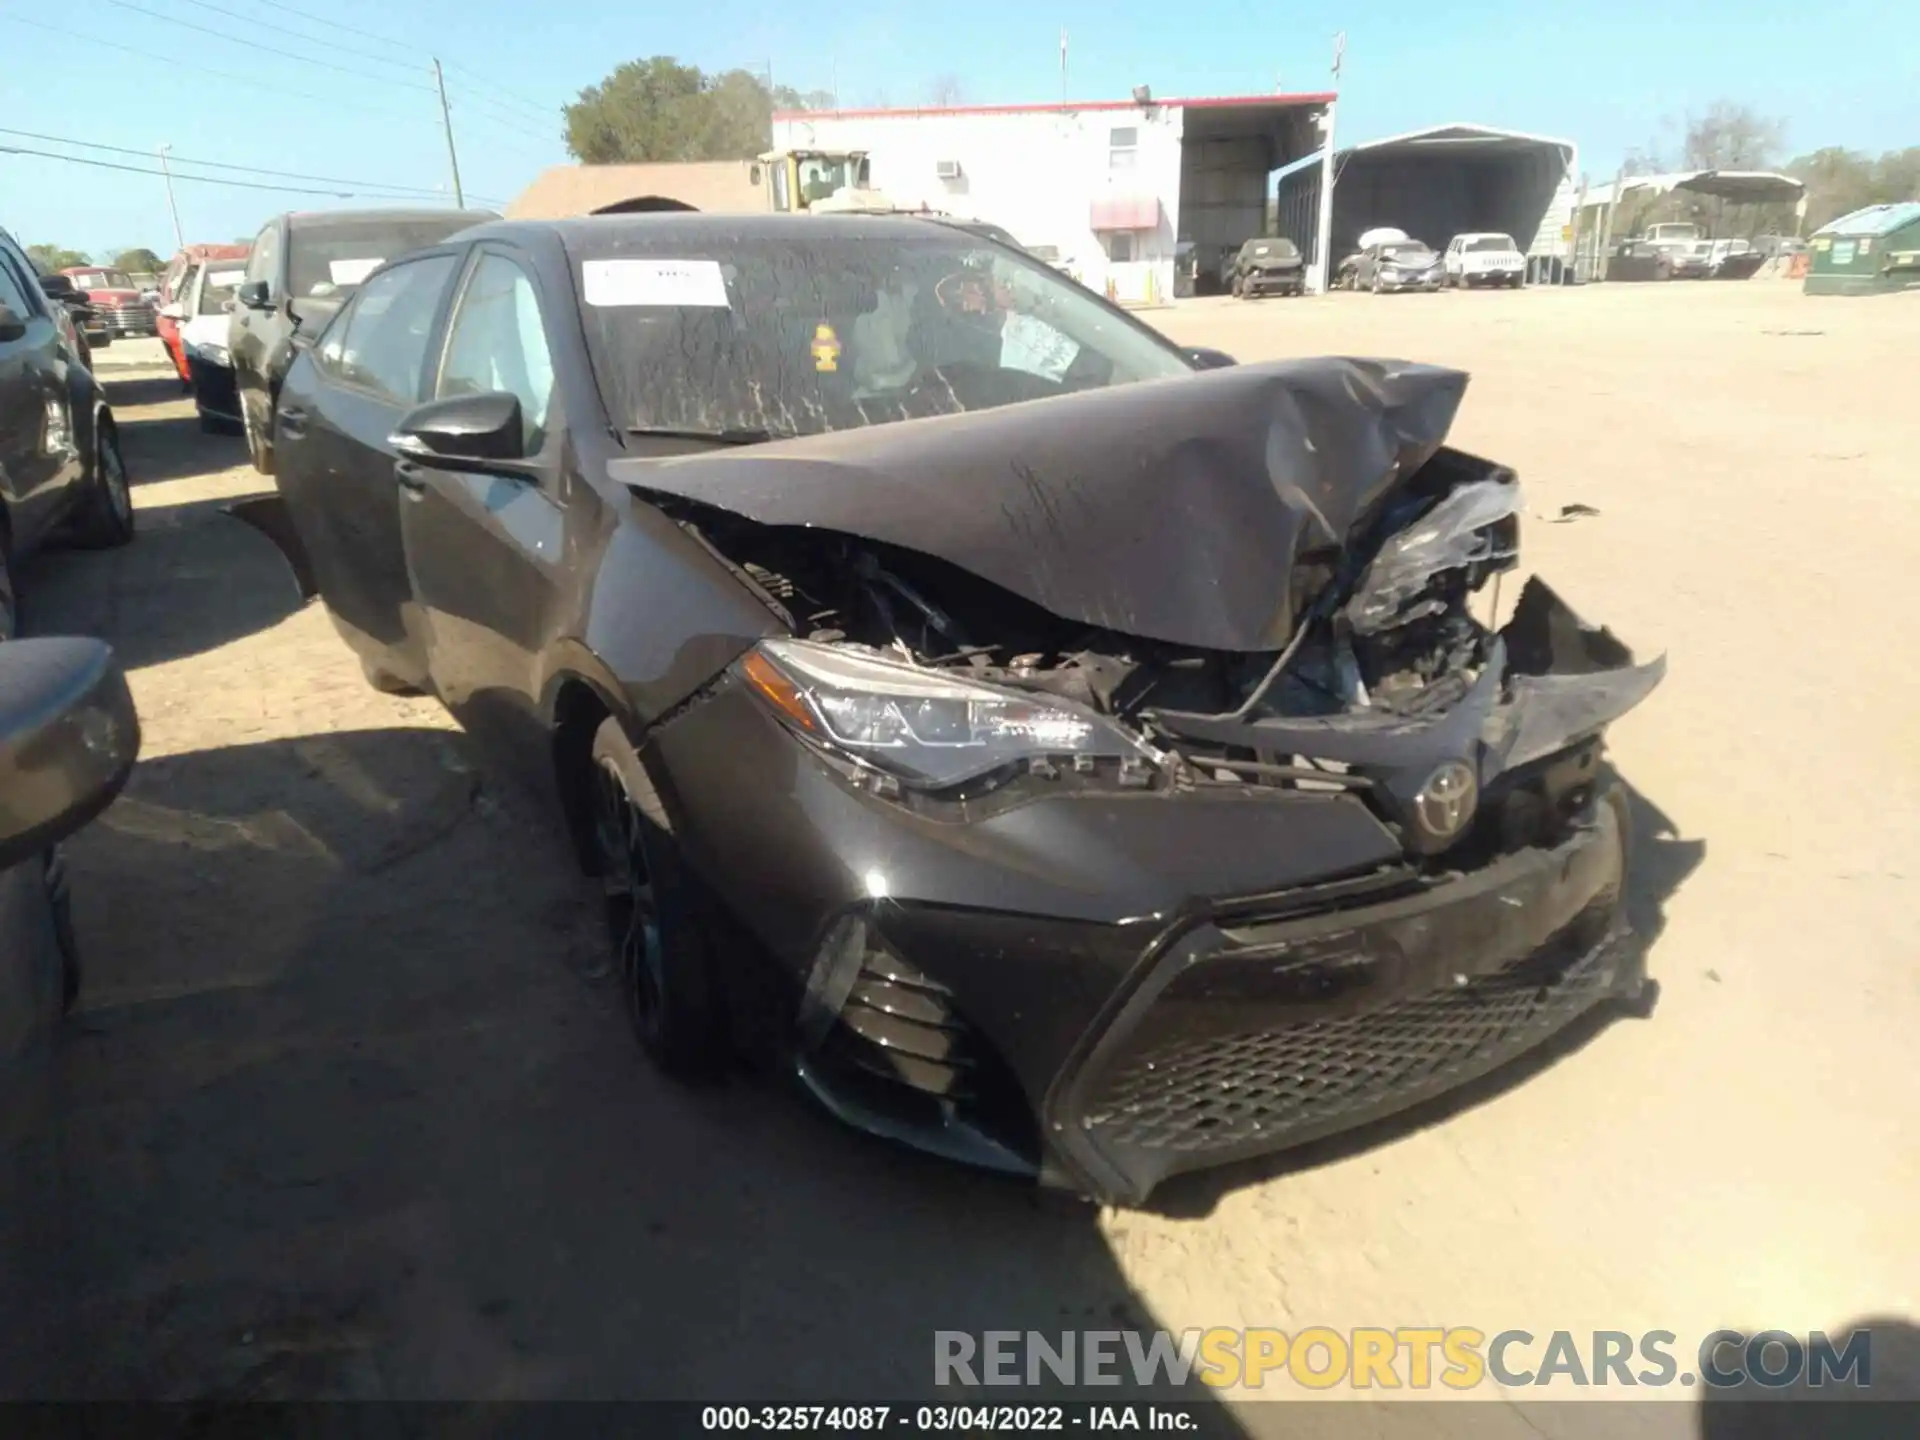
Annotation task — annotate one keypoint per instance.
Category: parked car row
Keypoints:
(1391, 260)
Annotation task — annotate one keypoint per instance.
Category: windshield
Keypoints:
(1405, 250)
(796, 337)
(330, 261)
(103, 280)
(822, 175)
(1271, 249)
(1491, 242)
(218, 287)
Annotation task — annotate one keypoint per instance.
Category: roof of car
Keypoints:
(597, 234)
(309, 219)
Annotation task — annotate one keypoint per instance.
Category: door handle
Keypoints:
(411, 477)
(294, 419)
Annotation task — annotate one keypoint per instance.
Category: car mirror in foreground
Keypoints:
(254, 295)
(1205, 359)
(68, 738)
(463, 428)
(12, 327)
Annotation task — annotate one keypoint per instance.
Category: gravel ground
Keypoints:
(350, 1110)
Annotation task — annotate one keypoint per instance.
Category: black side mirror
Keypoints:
(1205, 359)
(58, 287)
(12, 327)
(463, 428)
(255, 295)
(68, 739)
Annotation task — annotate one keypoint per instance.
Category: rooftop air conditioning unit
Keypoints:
(947, 169)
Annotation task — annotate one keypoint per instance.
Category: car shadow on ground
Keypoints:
(1885, 1406)
(160, 432)
(1661, 863)
(193, 579)
(350, 1110)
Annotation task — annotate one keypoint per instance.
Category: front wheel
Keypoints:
(660, 921)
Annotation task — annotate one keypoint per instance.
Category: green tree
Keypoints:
(139, 260)
(52, 258)
(660, 110)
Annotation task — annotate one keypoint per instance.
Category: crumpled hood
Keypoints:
(1174, 510)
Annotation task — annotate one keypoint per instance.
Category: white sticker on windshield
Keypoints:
(1032, 345)
(654, 282)
(352, 272)
(226, 279)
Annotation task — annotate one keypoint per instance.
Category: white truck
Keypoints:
(1484, 258)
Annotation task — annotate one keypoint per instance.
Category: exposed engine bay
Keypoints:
(1300, 584)
(1392, 629)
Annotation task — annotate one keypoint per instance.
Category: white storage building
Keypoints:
(1112, 185)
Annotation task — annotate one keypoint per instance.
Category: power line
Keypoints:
(199, 179)
(67, 33)
(543, 112)
(405, 190)
(268, 49)
(300, 35)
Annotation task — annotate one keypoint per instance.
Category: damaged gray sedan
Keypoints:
(1063, 752)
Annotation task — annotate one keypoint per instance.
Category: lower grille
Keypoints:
(1225, 1093)
(899, 1025)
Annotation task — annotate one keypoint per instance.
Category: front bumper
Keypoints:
(1104, 989)
(1430, 281)
(215, 391)
(1274, 282)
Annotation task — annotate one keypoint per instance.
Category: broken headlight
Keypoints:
(929, 728)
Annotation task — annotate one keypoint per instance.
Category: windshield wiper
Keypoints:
(732, 435)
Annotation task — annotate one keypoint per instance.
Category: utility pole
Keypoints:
(1323, 235)
(446, 118)
(179, 236)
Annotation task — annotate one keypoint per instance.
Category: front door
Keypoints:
(337, 470)
(485, 547)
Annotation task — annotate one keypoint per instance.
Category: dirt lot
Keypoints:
(350, 1109)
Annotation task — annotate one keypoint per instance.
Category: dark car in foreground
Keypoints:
(68, 740)
(1267, 265)
(61, 476)
(1066, 752)
(301, 268)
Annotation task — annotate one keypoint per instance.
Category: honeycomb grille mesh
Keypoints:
(1194, 1096)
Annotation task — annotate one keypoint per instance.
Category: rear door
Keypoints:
(38, 458)
(485, 547)
(337, 409)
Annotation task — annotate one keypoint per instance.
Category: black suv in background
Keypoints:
(302, 268)
(60, 471)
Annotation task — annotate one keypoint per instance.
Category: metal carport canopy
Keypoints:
(1435, 184)
(1742, 187)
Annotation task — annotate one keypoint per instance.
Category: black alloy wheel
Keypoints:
(659, 924)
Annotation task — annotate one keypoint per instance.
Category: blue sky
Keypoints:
(1838, 71)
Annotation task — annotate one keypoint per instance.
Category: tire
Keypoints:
(219, 425)
(60, 907)
(9, 598)
(661, 921)
(385, 681)
(1235, 289)
(106, 511)
(1376, 282)
(258, 429)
